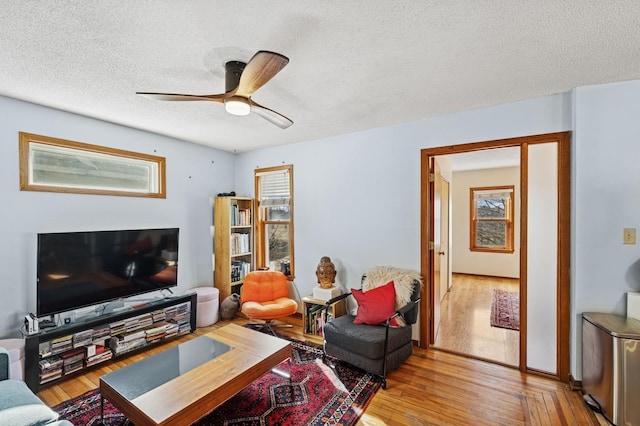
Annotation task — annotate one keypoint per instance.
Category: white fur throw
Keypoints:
(402, 279)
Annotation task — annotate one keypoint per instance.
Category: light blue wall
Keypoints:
(194, 175)
(357, 196)
(606, 199)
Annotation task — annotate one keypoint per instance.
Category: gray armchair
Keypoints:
(376, 349)
(18, 405)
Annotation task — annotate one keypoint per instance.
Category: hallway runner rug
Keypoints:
(318, 395)
(505, 310)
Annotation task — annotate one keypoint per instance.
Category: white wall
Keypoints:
(482, 263)
(542, 249)
(357, 196)
(606, 199)
(194, 175)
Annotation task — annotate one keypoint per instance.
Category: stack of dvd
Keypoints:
(50, 369)
(73, 360)
(82, 338)
(61, 344)
(100, 354)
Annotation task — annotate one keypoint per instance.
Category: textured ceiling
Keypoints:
(354, 65)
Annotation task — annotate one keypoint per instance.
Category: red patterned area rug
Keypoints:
(505, 310)
(317, 395)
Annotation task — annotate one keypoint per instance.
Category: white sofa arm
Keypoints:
(4, 363)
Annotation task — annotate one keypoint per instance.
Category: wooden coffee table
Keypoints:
(182, 384)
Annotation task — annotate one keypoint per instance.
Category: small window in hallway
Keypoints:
(492, 219)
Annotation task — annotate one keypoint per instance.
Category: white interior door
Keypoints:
(443, 252)
(437, 227)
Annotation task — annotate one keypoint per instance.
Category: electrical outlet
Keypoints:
(629, 235)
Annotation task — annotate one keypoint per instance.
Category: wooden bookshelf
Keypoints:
(233, 243)
(313, 315)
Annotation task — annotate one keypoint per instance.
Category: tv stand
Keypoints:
(56, 353)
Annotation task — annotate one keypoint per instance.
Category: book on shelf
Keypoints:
(50, 376)
(240, 216)
(170, 312)
(61, 344)
(101, 333)
(119, 346)
(51, 363)
(180, 319)
(156, 333)
(239, 270)
(73, 360)
(72, 355)
(317, 317)
(117, 327)
(72, 368)
(99, 357)
(158, 315)
(170, 329)
(132, 336)
(61, 339)
(239, 243)
(138, 322)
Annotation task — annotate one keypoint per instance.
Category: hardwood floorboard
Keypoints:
(464, 320)
(431, 388)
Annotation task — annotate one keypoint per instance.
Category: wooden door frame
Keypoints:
(563, 312)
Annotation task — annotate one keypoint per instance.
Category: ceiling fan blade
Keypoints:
(270, 115)
(180, 97)
(262, 67)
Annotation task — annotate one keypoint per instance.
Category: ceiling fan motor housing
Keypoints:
(233, 71)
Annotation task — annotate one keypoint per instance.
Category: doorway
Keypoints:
(476, 307)
(544, 160)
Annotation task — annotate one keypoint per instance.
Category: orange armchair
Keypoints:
(265, 297)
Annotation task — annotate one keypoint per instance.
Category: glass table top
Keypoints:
(142, 376)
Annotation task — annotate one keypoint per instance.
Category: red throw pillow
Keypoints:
(375, 305)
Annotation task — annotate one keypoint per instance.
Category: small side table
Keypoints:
(313, 315)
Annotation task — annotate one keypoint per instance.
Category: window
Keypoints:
(57, 165)
(492, 219)
(274, 233)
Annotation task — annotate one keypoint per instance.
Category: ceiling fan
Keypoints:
(241, 81)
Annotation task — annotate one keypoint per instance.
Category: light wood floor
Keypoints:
(431, 388)
(464, 325)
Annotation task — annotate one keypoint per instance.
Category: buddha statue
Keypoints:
(326, 272)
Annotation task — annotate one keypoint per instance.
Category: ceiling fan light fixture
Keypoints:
(237, 105)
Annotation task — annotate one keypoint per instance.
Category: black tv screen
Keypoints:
(78, 269)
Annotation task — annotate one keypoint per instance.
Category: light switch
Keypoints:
(629, 236)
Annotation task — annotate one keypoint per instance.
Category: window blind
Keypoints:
(492, 194)
(275, 189)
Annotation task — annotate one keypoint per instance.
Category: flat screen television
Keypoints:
(79, 269)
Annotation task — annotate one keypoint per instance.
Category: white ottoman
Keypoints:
(15, 347)
(208, 302)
